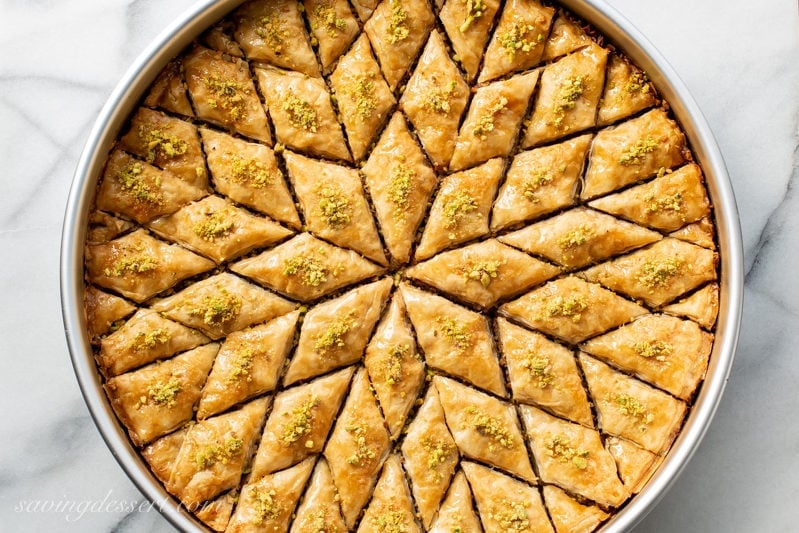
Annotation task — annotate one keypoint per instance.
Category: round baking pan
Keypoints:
(205, 13)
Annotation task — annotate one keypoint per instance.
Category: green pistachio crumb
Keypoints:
(362, 94)
(637, 152)
(132, 264)
(333, 206)
(576, 237)
(266, 505)
(228, 95)
(325, 16)
(474, 10)
(165, 393)
(570, 306)
(658, 272)
(560, 448)
(241, 364)
(482, 271)
(457, 333)
(634, 408)
(397, 25)
(399, 190)
(438, 99)
(302, 114)
(391, 520)
(515, 39)
(393, 365)
(456, 206)
(673, 202)
(250, 171)
(656, 349)
(131, 179)
(439, 452)
(536, 180)
(364, 453)
(301, 420)
(270, 29)
(311, 271)
(491, 427)
(570, 91)
(540, 367)
(218, 453)
(485, 124)
(333, 337)
(213, 226)
(147, 340)
(638, 82)
(159, 142)
(217, 309)
(511, 515)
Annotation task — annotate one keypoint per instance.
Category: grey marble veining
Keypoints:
(60, 60)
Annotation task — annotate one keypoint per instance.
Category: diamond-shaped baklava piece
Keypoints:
(631, 409)
(632, 151)
(139, 266)
(519, 38)
(213, 454)
(306, 268)
(627, 91)
(223, 92)
(484, 428)
(569, 515)
(300, 421)
(431, 456)
(400, 182)
(391, 508)
(483, 273)
(319, 510)
(580, 237)
(565, 37)
(434, 100)
(668, 352)
(456, 511)
(395, 367)
(572, 456)
(468, 24)
(333, 25)
(397, 30)
(160, 397)
(568, 96)
(248, 364)
(335, 333)
(543, 372)
(273, 31)
(103, 310)
(634, 463)
(363, 96)
(659, 273)
(303, 115)
(454, 339)
(334, 205)
(168, 91)
(571, 309)
(492, 123)
(222, 304)
(168, 143)
(248, 174)
(461, 208)
(702, 306)
(540, 181)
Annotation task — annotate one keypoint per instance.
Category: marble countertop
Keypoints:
(60, 61)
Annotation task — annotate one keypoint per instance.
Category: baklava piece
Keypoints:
(468, 25)
(569, 515)
(627, 91)
(334, 27)
(391, 508)
(702, 306)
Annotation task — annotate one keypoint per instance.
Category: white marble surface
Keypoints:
(61, 58)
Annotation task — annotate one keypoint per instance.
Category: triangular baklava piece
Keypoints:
(273, 31)
(397, 30)
(519, 38)
(306, 268)
(400, 182)
(333, 25)
(335, 332)
(365, 8)
(632, 151)
(431, 456)
(630, 409)
(543, 372)
(468, 26)
(168, 91)
(220, 37)
(492, 123)
(161, 454)
(104, 227)
(659, 273)
(139, 266)
(702, 306)
(569, 515)
(483, 273)
(572, 456)
(103, 310)
(223, 93)
(434, 100)
(356, 448)
(248, 364)
(216, 514)
(334, 205)
(218, 229)
(363, 96)
(540, 181)
(454, 339)
(484, 428)
(248, 174)
(214, 452)
(700, 233)
(580, 237)
(571, 309)
(391, 508)
(160, 397)
(635, 464)
(627, 91)
(222, 304)
(300, 421)
(395, 367)
(302, 113)
(668, 352)
(319, 510)
(564, 38)
(461, 208)
(666, 203)
(456, 512)
(506, 504)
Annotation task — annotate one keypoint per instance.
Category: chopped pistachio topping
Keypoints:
(217, 309)
(658, 272)
(218, 453)
(363, 453)
(457, 333)
(482, 271)
(485, 124)
(324, 15)
(399, 190)
(636, 153)
(474, 10)
(491, 427)
(438, 99)
(158, 142)
(391, 520)
(213, 226)
(637, 82)
(319, 524)
(576, 237)
(397, 24)
(311, 271)
(227, 94)
(570, 306)
(333, 337)
(334, 206)
(540, 367)
(302, 114)
(538, 179)
(131, 179)
(672, 202)
(271, 30)
(362, 94)
(560, 448)
(657, 349)
(250, 171)
(147, 340)
(393, 368)
(266, 505)
(241, 365)
(512, 515)
(164, 393)
(132, 264)
(301, 420)
(456, 206)
(439, 452)
(633, 407)
(515, 39)
(570, 90)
